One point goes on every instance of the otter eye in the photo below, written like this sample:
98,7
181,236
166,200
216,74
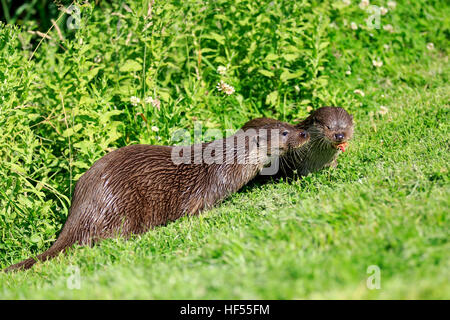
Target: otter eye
285,133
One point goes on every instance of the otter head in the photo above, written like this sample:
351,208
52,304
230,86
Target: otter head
280,137
331,126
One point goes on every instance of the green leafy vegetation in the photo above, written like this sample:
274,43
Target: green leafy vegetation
136,72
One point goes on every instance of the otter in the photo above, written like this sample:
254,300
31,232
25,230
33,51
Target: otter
135,188
330,128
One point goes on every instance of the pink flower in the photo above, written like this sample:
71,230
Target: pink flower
155,102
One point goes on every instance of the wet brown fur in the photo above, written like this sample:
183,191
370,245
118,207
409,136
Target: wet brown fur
135,188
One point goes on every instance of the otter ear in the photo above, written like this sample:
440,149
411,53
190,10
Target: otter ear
315,120
256,140
259,141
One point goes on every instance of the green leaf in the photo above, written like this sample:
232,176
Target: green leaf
215,36
165,96
71,130
266,73
17,168
323,45
92,73
86,100
35,238
290,56
130,65
286,75
272,98
272,56
105,116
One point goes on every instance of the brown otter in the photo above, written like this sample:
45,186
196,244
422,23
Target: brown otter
134,188
329,127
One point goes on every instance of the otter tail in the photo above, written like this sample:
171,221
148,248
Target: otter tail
53,251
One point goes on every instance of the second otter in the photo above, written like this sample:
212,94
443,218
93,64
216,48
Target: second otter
137,187
330,128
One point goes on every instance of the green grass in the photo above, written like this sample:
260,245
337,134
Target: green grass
386,204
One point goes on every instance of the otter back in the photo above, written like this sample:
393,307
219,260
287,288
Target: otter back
137,187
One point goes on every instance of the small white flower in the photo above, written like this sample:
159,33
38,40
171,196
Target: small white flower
354,26
364,4
148,100
348,72
155,102
386,47
430,46
226,88
383,11
135,101
97,59
347,2
229,90
377,63
359,92
389,28
222,70
383,110
392,4
155,129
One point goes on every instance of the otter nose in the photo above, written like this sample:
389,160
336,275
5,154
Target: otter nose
339,136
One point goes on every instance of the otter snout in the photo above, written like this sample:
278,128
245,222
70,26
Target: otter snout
339,137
